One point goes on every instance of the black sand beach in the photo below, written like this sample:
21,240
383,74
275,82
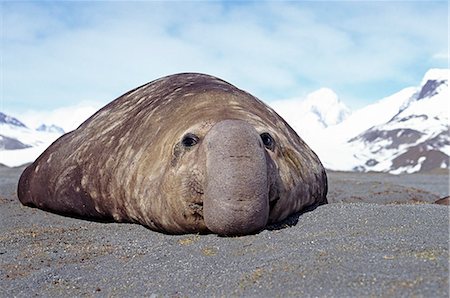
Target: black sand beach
379,236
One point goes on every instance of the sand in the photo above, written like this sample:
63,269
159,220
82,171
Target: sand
380,236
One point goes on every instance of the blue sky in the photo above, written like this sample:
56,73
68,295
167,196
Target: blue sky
58,54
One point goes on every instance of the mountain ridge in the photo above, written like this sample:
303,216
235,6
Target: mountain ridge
6,119
416,138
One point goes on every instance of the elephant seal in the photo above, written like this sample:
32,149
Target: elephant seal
187,153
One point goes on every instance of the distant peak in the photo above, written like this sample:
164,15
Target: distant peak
432,82
323,95
5,119
429,89
435,74
325,104
50,128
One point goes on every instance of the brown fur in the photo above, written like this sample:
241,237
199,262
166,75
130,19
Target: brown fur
126,163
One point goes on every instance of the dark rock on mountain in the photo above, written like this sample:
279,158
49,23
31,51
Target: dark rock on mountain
395,137
430,88
5,119
7,143
416,138
420,155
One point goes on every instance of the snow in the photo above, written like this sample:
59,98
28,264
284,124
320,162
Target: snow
435,108
326,105
27,136
399,111
429,116
331,143
410,169
39,140
6,119
50,128
435,74
371,115
67,118
15,158
445,149
311,115
333,155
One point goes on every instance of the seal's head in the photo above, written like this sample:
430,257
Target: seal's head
185,153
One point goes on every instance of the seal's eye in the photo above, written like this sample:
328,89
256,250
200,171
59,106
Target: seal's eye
189,140
268,141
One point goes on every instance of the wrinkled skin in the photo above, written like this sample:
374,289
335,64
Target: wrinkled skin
183,154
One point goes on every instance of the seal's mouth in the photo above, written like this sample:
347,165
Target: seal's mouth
197,207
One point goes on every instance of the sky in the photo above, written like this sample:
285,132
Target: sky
66,54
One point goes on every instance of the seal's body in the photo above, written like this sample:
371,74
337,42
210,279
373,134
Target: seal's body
185,153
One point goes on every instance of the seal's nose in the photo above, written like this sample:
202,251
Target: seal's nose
236,195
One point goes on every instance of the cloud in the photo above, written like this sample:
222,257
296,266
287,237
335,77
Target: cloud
68,117
59,54
441,56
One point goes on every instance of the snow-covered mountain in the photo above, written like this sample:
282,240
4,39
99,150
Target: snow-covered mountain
20,144
416,137
50,128
403,133
5,119
319,110
10,143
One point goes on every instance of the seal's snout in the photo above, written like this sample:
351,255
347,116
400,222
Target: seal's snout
236,197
